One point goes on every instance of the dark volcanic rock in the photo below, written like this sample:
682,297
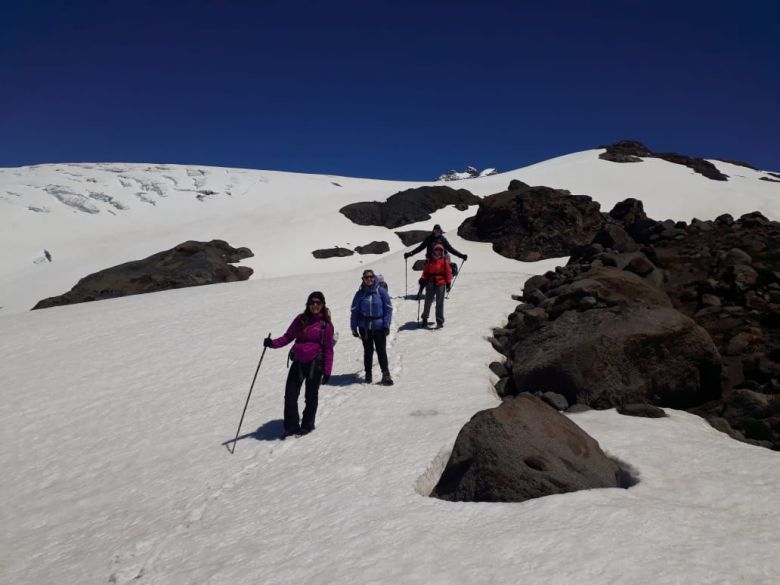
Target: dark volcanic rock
699,165
412,237
625,151
373,248
517,184
626,345
533,223
722,274
336,252
407,207
190,263
632,151
524,449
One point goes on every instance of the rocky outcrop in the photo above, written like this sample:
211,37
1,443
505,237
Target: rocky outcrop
625,151
524,449
408,206
412,237
533,223
336,252
605,356
373,248
633,151
658,312
188,264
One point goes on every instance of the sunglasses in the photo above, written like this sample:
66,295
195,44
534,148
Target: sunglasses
315,302
367,276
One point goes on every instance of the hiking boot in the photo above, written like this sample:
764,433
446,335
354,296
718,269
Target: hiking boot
369,378
290,433
424,323
439,325
386,379
306,430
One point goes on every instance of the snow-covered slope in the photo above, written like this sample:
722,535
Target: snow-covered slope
114,414
92,216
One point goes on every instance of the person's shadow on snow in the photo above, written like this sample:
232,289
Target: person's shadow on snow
268,431
342,380
409,326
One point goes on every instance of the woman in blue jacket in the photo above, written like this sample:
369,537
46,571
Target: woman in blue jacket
372,312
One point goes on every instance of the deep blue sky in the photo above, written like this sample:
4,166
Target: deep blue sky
384,88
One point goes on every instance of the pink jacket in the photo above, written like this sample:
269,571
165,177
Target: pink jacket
310,342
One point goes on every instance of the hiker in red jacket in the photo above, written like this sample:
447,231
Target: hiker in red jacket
436,278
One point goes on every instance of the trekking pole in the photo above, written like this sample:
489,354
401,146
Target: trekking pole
406,277
262,355
456,278
419,296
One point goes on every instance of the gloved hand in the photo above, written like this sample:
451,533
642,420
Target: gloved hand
407,255
421,281
448,287
465,257
267,342
355,333
325,378
386,331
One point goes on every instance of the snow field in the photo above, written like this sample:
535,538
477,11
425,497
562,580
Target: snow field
116,413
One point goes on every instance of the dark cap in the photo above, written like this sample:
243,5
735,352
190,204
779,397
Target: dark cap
316,295
438,227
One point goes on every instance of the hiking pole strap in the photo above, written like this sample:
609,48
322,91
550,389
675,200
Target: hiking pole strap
262,355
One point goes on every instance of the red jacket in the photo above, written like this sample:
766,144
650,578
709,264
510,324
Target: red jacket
438,271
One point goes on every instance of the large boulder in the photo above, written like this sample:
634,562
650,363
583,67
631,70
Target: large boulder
337,252
412,237
373,248
534,223
524,449
625,151
406,207
620,355
190,263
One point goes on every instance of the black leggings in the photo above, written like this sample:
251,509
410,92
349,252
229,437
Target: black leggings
311,373
371,338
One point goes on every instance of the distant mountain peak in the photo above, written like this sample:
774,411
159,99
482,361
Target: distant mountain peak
471,172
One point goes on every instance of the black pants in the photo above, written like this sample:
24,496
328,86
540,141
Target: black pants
310,373
431,291
371,338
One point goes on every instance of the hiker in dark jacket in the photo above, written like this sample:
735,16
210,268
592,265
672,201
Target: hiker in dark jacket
312,362
436,278
435,237
372,313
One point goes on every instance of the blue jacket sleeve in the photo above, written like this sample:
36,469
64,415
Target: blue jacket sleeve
387,307
353,318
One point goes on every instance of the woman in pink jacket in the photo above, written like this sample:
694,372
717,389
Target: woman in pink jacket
312,361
